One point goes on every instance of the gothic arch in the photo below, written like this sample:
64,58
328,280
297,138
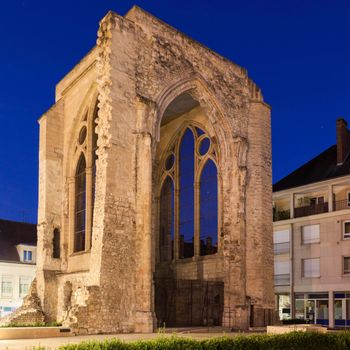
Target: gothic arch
86,110
195,85
82,143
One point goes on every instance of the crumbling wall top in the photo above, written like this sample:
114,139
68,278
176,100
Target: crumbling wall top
71,78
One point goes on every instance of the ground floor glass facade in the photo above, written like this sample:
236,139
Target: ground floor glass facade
283,306
314,308
342,309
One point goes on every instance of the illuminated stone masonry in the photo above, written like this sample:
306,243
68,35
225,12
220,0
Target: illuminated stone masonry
154,187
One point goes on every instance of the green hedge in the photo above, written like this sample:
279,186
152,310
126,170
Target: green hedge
291,341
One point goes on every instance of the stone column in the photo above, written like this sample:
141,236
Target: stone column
145,316
259,228
330,198
88,229
331,309
144,312
291,271
70,233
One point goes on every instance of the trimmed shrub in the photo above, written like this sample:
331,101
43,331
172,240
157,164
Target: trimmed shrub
290,341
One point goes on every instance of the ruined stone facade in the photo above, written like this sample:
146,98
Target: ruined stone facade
139,89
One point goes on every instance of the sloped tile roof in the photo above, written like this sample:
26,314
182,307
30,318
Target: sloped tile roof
13,233
323,167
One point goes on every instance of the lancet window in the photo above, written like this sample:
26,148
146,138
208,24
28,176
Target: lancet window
84,181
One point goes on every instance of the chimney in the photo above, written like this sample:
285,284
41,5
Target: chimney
343,141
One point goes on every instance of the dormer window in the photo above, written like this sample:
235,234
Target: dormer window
27,255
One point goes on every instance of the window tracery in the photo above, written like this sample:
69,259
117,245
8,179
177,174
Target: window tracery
84,181
188,202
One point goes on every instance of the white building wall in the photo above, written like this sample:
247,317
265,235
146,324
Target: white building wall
15,271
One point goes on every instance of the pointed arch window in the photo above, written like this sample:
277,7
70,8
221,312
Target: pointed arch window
186,187
84,181
80,206
166,243
189,220
208,209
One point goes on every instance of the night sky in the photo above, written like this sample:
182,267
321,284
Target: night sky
297,51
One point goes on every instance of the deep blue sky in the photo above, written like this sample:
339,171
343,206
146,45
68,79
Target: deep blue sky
297,51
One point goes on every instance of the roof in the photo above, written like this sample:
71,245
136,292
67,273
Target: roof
13,233
323,167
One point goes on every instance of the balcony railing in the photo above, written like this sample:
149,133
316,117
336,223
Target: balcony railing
311,210
342,204
281,248
281,215
282,280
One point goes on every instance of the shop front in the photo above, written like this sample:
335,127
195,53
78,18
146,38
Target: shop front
342,309
312,307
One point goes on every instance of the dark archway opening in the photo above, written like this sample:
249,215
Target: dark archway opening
187,221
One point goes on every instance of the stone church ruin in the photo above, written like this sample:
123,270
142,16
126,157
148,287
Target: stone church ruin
154,187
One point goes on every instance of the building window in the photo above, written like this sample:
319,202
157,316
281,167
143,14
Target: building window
346,229
346,265
281,272
56,241
187,178
189,193
24,283
281,242
311,234
166,243
311,268
84,181
27,255
80,205
6,287
208,209
283,306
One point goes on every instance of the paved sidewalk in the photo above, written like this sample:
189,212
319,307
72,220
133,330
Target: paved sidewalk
54,343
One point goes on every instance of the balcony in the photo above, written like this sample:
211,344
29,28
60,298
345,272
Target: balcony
282,280
341,204
281,215
311,209
301,204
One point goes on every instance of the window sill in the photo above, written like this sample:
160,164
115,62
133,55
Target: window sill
28,262
83,252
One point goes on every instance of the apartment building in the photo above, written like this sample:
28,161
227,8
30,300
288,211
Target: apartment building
311,211
17,263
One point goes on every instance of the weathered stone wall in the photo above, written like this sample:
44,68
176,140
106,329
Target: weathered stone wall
259,214
140,65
